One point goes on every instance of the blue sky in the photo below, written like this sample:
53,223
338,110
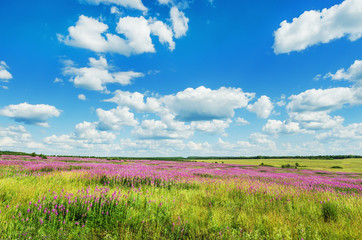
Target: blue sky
181,78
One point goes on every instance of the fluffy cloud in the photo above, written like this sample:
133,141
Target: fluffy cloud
5,75
262,107
211,127
64,141
204,104
58,80
342,139
165,2
312,107
202,107
17,138
163,147
353,73
135,101
164,33
179,22
156,129
135,4
314,27
316,120
262,140
30,114
82,97
199,104
12,135
241,121
88,131
350,132
85,136
324,99
114,119
137,32
284,127
90,33
98,75
115,10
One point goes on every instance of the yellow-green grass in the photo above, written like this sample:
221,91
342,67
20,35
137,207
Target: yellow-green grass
353,165
215,209
208,208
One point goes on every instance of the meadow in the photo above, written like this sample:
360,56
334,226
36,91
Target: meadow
334,165
90,198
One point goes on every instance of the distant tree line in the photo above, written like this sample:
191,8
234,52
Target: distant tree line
22,154
191,158
14,153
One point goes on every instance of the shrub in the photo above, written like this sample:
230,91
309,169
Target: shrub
336,167
265,165
288,166
329,211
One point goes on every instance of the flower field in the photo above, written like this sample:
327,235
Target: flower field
90,198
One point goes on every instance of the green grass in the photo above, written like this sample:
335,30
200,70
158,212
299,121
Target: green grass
221,210
353,165
213,208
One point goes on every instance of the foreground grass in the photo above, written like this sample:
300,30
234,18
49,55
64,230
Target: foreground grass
353,165
74,205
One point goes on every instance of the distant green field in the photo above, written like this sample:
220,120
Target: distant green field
347,164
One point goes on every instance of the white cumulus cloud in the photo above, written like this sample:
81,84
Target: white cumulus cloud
241,121
17,138
91,34
199,104
58,80
352,74
165,2
211,127
262,107
88,131
312,107
315,27
135,101
5,75
12,135
135,4
30,114
98,75
114,119
324,99
350,132
156,129
82,97
316,120
204,104
179,22
137,32
164,33
85,137
284,127
262,140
